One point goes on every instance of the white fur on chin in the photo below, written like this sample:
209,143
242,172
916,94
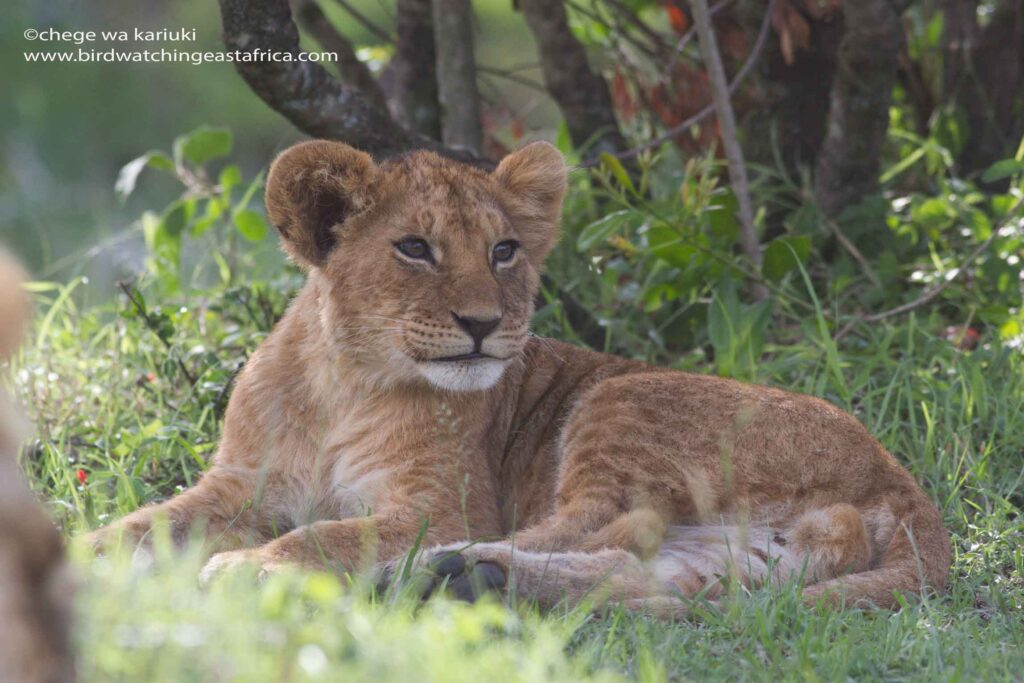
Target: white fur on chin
477,375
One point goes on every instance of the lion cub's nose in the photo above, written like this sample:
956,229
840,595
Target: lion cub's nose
477,328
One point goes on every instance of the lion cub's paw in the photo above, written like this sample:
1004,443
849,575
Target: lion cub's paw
464,578
232,560
451,569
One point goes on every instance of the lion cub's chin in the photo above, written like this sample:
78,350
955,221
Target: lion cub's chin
475,375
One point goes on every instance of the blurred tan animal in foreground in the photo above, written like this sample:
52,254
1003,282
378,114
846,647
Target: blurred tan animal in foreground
34,582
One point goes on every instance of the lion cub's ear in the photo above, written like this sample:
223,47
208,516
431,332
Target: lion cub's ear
312,188
535,177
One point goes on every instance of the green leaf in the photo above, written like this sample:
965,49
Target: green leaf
563,141
129,173
784,254
250,192
163,237
1002,170
932,213
203,144
251,225
654,297
951,129
933,31
666,244
230,176
176,217
600,230
907,161
723,319
214,209
722,217
980,224
617,170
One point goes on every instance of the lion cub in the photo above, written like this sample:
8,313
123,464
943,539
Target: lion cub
402,387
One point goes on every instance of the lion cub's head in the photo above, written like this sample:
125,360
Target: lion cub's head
428,267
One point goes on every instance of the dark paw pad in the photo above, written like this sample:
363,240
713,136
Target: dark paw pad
482,578
383,579
447,564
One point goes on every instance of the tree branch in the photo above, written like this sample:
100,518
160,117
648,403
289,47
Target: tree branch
352,71
730,139
304,92
582,95
456,74
848,165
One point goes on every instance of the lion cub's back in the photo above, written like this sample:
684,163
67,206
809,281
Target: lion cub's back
665,429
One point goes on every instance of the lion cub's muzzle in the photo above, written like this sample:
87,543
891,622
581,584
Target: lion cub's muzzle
478,329
474,363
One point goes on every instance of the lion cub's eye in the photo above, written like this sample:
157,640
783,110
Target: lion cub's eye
504,251
415,248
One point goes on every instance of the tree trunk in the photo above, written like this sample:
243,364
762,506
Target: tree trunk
858,119
582,95
792,120
456,74
985,78
413,69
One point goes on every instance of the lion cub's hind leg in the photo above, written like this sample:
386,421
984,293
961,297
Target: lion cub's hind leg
691,562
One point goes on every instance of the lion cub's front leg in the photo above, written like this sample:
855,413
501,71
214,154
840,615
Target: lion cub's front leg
221,504
348,545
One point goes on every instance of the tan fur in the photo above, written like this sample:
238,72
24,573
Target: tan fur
345,433
34,582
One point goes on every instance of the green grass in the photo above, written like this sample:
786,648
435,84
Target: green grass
111,398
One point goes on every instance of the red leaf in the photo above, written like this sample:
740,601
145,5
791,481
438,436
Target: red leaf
677,19
622,98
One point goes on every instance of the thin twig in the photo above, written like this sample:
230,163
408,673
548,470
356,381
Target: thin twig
364,20
140,308
721,95
686,38
933,292
623,34
854,252
622,10
707,111
510,76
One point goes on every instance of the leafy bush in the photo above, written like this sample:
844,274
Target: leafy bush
205,208
656,263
